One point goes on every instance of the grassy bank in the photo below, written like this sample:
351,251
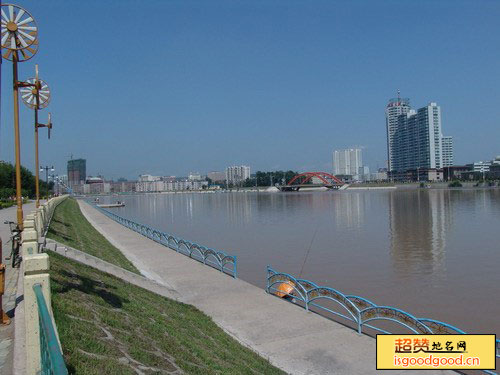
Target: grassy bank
70,227
108,326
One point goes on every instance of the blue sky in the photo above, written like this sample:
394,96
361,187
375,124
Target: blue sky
169,87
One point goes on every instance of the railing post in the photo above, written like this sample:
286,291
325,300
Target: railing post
43,215
267,280
38,220
36,269
29,237
235,267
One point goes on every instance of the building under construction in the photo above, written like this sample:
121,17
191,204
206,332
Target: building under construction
77,172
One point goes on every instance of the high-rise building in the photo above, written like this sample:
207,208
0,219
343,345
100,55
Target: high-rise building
237,174
416,142
447,146
77,172
347,162
395,108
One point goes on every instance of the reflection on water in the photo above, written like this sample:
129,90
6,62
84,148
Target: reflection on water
419,222
349,210
433,253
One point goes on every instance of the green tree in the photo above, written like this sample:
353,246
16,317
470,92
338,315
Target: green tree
274,177
8,182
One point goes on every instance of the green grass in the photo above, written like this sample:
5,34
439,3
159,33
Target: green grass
71,228
108,326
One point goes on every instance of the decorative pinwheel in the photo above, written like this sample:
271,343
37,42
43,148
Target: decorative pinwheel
28,94
19,33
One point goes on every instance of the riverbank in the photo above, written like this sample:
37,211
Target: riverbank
294,340
70,227
109,326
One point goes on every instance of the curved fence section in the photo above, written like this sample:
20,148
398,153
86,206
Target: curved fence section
52,361
360,312
213,258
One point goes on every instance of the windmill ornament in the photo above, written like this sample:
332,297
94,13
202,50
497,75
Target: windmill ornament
29,94
19,38
19,35
35,94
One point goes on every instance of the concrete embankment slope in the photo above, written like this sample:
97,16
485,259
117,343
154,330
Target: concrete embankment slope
297,341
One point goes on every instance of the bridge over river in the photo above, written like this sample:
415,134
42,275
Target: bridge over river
312,180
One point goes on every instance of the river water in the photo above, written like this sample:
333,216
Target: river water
433,253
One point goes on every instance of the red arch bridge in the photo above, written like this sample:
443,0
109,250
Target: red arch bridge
312,180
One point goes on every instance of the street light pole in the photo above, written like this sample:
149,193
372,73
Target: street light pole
54,179
47,178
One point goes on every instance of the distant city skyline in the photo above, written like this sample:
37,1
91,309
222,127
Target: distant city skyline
272,85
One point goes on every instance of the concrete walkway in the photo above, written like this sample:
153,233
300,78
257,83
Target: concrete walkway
294,340
9,297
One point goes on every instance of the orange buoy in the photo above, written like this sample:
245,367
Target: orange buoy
285,289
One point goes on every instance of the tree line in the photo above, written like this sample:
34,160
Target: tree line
266,179
8,182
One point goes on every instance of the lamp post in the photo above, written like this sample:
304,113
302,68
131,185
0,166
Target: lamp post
47,168
36,95
19,37
55,180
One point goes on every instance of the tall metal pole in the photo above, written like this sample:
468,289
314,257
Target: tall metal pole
4,319
37,175
47,183
36,91
17,142
1,59
30,94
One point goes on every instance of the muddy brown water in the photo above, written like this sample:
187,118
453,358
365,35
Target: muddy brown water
432,253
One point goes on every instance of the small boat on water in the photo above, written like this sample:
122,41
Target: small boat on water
111,205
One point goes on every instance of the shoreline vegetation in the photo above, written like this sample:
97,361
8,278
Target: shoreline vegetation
108,326
71,228
8,186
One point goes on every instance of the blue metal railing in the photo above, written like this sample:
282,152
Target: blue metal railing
356,310
214,258
52,361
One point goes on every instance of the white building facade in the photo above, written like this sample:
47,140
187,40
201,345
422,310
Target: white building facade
447,147
348,162
157,184
194,176
481,166
237,174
